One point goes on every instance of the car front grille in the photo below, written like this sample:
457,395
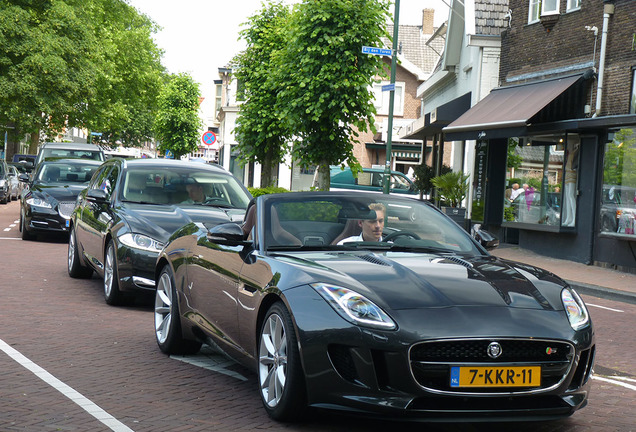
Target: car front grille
65,208
431,362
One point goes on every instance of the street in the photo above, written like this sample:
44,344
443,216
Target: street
70,362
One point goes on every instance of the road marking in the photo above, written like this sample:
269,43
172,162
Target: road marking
87,405
7,229
614,381
604,307
10,238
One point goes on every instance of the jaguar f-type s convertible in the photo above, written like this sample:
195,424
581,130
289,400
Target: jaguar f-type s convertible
375,304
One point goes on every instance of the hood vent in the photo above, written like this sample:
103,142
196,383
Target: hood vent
374,259
454,259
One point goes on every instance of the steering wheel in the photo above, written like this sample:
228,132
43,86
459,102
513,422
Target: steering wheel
399,234
210,200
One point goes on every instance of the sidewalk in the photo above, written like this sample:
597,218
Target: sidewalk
586,279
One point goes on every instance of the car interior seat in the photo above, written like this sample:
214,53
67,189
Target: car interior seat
278,235
351,228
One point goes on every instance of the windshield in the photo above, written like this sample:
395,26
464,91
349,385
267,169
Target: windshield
346,221
183,186
65,173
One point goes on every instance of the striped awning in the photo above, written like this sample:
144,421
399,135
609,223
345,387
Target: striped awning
406,154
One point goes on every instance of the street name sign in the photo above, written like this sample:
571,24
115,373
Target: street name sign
388,87
377,51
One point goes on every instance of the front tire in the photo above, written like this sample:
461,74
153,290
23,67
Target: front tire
75,268
23,228
280,374
112,294
167,318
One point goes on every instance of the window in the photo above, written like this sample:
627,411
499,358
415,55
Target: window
218,100
618,197
541,187
632,99
534,12
574,4
549,7
382,98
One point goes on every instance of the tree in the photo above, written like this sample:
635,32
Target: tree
260,131
84,63
125,100
48,65
178,125
326,82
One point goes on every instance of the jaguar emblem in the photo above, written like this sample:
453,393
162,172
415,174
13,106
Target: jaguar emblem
494,350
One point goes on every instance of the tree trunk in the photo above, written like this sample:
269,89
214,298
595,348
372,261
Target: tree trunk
323,177
267,171
35,142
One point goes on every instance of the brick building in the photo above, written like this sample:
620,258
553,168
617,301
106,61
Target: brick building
566,88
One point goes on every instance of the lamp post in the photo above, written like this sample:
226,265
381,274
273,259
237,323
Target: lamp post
389,137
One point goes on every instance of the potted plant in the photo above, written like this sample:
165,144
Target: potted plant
452,187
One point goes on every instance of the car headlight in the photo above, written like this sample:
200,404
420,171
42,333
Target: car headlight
140,241
38,202
575,309
354,307
3,183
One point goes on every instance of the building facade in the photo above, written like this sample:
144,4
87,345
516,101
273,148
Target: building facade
561,121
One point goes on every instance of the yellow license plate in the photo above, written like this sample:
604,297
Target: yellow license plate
495,376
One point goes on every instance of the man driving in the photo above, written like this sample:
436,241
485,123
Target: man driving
371,228
195,193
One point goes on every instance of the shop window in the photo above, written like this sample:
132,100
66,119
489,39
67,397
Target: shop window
542,181
618,197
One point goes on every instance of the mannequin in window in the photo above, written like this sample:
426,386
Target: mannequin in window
568,212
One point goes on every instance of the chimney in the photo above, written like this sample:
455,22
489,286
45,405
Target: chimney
428,18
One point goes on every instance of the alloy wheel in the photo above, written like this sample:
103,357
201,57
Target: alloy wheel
163,308
272,359
109,265
71,250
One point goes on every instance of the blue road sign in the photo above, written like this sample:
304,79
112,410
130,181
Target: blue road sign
388,87
377,51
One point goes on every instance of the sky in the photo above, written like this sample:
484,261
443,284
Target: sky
200,36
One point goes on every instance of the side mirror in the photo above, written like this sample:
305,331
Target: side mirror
486,239
24,178
97,195
229,234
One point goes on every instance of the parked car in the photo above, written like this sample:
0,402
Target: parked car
46,207
15,187
131,208
69,150
5,186
26,161
424,323
371,180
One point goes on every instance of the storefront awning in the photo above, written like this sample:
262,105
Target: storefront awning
506,111
407,155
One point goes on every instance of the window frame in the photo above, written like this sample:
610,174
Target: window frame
379,98
534,11
573,5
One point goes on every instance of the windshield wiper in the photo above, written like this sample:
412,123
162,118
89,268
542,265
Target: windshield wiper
219,205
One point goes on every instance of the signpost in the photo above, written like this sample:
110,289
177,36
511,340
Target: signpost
389,136
208,138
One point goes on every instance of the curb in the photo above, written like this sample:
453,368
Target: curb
603,292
